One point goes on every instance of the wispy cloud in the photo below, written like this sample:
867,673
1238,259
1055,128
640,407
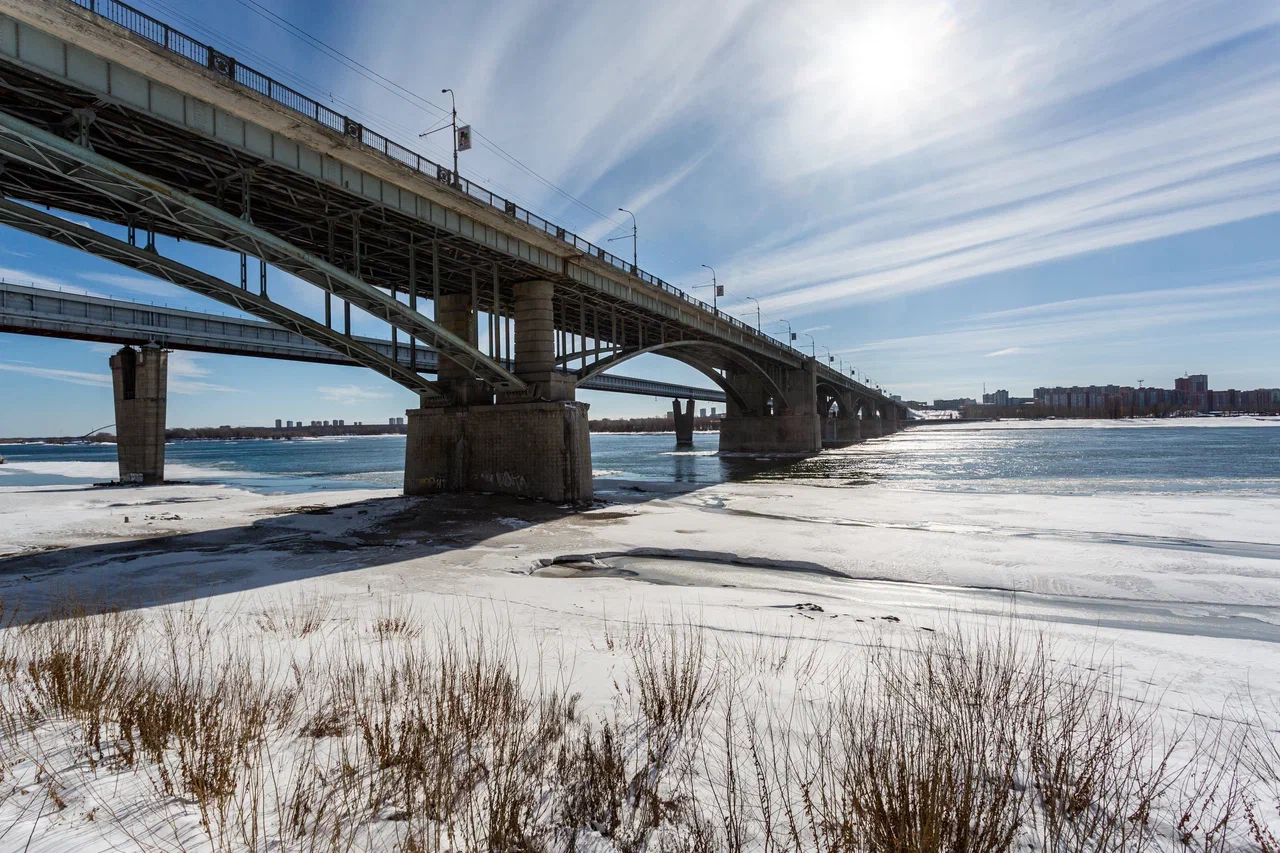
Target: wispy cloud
349,394
1101,321
186,376
136,283
815,329
75,377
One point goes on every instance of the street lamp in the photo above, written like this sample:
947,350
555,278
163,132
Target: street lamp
757,302
790,333
454,124
812,343
715,288
634,263
830,357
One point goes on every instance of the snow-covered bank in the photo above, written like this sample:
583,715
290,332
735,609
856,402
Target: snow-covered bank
1180,592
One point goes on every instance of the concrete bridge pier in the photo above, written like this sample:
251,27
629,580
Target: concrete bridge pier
843,429
683,423
889,421
140,382
772,425
535,443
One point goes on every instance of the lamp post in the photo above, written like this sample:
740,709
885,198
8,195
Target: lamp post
812,344
791,335
757,302
715,288
454,104
453,122
634,253
830,357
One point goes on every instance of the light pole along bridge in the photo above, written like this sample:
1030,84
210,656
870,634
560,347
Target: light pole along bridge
109,113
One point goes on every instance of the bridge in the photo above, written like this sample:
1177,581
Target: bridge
112,114
46,312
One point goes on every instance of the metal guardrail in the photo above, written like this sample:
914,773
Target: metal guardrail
160,33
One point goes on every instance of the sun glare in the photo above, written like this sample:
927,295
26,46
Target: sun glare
887,60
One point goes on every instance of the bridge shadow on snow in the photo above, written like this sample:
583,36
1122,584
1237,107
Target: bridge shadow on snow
296,544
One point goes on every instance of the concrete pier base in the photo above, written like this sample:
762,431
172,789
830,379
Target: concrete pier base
537,450
140,381
788,433
871,427
840,431
683,423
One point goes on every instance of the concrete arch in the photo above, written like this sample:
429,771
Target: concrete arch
829,395
739,359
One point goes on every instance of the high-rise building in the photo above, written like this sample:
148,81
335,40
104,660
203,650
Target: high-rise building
713,411
702,413
278,423
996,398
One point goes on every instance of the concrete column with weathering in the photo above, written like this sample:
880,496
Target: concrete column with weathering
683,422
535,358
534,443
455,313
139,380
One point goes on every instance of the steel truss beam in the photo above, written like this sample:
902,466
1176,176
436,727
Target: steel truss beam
58,230
201,221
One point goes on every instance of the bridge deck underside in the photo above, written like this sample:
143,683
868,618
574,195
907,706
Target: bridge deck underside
319,218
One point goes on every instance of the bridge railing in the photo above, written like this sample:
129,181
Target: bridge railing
160,33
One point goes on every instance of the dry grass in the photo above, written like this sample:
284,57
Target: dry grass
404,736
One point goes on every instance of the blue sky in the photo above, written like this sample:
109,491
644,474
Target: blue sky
943,193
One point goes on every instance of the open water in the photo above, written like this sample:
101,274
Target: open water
1083,460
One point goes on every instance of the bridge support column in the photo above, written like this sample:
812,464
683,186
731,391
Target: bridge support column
840,430
793,426
871,425
535,444
683,423
453,311
140,382
889,420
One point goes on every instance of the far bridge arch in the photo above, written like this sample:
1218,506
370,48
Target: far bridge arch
694,354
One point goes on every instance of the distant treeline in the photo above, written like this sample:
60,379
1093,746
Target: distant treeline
229,432
665,424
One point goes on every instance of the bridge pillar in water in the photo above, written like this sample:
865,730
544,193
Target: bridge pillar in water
790,425
889,423
140,383
683,423
534,443
841,430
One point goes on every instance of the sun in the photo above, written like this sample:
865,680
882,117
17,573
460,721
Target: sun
884,63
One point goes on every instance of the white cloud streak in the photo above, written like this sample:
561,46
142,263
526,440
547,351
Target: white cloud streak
349,394
75,377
